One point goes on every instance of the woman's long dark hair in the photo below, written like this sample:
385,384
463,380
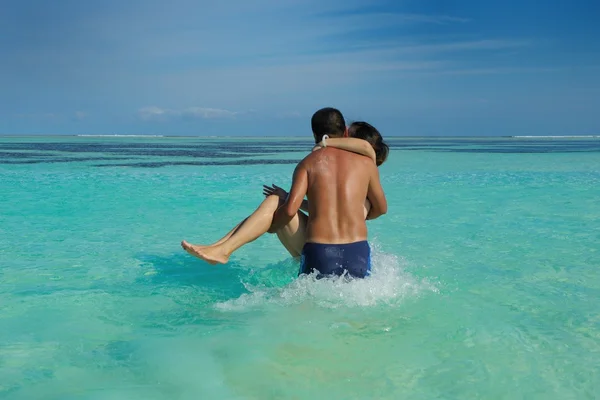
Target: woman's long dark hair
364,130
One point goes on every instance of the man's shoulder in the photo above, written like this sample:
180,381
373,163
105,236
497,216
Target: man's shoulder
313,156
305,162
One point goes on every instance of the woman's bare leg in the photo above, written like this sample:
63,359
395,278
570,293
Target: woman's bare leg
293,235
226,237
249,230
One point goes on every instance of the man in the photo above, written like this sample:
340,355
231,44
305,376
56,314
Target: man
336,183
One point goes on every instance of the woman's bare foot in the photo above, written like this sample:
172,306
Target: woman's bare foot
211,254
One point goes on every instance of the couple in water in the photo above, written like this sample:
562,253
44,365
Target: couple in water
341,182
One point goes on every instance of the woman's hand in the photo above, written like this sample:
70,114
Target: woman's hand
274,190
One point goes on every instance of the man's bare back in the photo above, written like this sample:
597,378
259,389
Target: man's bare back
336,183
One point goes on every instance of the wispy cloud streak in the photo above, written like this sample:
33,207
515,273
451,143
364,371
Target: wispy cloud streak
154,113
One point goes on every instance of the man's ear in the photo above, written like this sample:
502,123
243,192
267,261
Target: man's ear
346,132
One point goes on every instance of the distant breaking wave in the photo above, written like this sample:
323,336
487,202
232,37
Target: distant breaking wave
120,135
556,137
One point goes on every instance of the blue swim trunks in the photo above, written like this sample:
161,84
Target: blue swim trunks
335,259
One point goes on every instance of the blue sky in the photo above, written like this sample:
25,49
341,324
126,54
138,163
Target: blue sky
237,67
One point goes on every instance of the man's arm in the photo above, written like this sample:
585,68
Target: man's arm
376,196
290,207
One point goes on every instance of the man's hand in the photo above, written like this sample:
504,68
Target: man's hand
274,190
282,194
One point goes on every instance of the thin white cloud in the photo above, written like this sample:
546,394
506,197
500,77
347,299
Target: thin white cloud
369,20
206,113
472,45
495,71
154,113
435,19
395,49
149,113
81,115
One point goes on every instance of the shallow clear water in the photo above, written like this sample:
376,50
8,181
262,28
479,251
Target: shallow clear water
485,280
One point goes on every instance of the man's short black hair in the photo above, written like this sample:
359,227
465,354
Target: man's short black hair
328,121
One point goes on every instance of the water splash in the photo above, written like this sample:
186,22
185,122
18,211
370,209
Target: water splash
389,284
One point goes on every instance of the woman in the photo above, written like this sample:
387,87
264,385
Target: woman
363,139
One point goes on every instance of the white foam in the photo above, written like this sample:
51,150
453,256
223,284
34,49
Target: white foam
557,137
137,136
389,284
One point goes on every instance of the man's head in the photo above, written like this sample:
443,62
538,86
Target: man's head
328,121
364,130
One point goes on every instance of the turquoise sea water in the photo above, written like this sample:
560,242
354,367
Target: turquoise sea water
485,285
